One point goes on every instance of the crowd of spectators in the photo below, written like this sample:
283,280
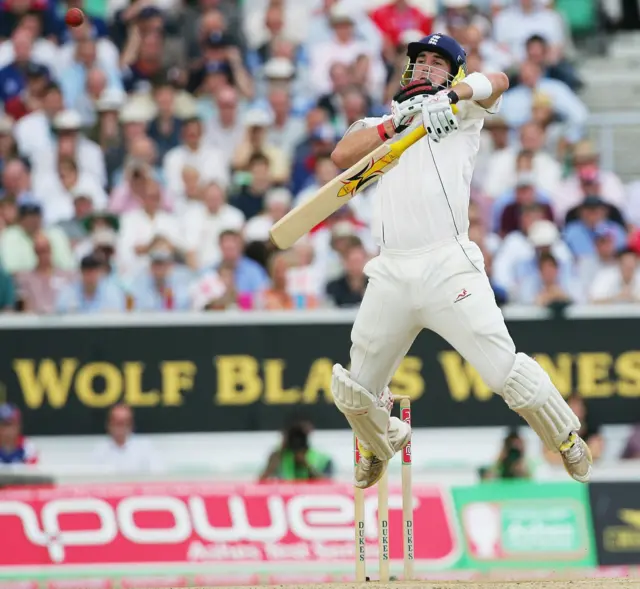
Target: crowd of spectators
145,154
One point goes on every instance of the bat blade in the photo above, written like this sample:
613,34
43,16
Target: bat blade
332,196
340,191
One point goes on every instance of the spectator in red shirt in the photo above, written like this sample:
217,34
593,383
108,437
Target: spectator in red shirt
14,448
398,17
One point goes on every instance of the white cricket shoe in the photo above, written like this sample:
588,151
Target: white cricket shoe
577,458
370,468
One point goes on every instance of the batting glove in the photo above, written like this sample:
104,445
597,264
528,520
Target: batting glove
403,114
437,117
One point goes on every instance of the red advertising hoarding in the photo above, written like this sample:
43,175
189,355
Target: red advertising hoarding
210,524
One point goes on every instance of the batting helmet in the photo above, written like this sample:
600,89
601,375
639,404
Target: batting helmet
445,46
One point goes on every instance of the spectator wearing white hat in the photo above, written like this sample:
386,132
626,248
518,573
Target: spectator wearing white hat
256,142
194,152
277,203
70,142
105,130
55,191
203,222
134,117
278,47
279,69
33,132
281,73
517,258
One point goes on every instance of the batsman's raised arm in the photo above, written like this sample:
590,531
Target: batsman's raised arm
356,144
405,109
421,100
485,89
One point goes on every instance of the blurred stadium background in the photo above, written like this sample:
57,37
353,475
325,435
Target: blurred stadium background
165,412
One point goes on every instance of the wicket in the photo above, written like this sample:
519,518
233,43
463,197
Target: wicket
383,512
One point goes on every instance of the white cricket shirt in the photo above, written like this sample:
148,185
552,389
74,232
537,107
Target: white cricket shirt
425,198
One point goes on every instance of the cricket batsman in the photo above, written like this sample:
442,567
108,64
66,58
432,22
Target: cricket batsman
429,275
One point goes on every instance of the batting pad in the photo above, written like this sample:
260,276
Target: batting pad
529,392
367,415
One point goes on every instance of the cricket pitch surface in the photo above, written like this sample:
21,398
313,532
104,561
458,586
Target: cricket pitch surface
541,584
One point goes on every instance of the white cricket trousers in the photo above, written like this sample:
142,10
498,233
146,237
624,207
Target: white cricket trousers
443,288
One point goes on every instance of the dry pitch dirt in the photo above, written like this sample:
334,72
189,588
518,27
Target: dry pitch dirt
544,584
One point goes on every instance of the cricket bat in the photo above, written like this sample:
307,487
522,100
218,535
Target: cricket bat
340,190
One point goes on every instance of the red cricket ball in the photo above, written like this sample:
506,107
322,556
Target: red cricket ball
74,17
